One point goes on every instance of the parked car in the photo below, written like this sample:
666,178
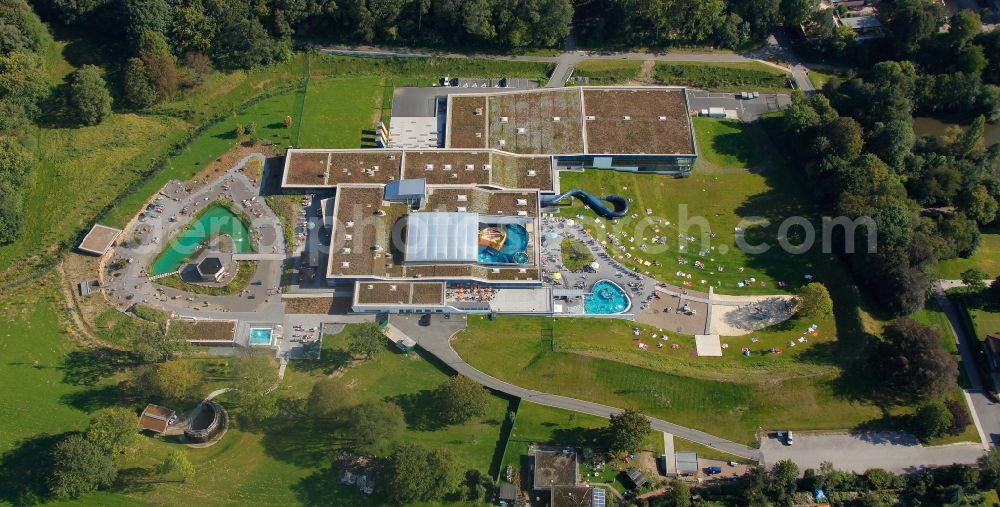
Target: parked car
788,438
425,320
713,470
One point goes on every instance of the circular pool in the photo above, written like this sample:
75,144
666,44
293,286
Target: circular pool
606,298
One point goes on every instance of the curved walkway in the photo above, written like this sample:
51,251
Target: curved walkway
436,340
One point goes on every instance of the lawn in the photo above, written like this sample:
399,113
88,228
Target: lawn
608,72
986,321
336,111
723,76
534,358
719,197
986,259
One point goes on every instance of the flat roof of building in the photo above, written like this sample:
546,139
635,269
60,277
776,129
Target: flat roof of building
573,121
555,468
212,331
575,496
399,293
99,239
329,168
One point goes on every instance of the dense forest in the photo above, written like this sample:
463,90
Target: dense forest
928,197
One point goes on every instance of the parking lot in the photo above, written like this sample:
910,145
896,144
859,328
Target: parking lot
746,109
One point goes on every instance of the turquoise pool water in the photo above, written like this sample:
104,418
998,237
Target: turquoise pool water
606,298
216,220
512,251
260,336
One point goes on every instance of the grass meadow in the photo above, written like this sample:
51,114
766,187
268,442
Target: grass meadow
986,259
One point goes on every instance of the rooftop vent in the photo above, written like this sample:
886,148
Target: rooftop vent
496,270
374,168
503,119
626,117
522,130
479,111
348,237
345,264
556,118
429,167
532,173
447,167
663,118
522,202
371,287
393,287
591,117
460,209
462,198
502,142
522,213
392,157
522,270
479,135
487,167
469,167
349,224
345,250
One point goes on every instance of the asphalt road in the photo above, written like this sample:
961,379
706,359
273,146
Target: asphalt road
986,413
894,452
435,339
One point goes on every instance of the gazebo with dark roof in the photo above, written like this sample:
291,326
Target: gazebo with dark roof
211,269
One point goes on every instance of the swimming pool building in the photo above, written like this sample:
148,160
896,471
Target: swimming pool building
457,229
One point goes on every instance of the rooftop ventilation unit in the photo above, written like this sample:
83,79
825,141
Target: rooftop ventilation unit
663,118
345,250
349,224
429,167
591,117
496,270
522,270
522,202
460,209
522,130
556,118
479,135
447,167
462,198
371,287
503,119
392,157
487,167
374,168
626,117
479,111
393,287
532,173
469,167
502,142
345,264
522,213
348,237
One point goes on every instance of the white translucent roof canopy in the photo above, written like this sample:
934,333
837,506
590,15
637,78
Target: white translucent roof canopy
442,237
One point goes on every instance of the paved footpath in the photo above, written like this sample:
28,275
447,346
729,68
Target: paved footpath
436,341
894,452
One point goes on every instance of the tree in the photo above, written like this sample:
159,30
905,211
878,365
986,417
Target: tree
200,64
796,11
251,128
115,430
178,463
162,74
329,397
782,481
989,469
255,391
23,81
88,98
995,290
153,343
459,399
892,141
366,340
374,424
138,90
79,467
240,130
679,494
960,418
912,22
932,420
288,122
964,26
626,431
979,204
139,16
415,474
911,361
814,301
174,380
974,279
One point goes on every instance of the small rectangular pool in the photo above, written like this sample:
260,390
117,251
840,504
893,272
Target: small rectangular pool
260,336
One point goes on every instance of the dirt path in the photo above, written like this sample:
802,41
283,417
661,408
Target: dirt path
648,71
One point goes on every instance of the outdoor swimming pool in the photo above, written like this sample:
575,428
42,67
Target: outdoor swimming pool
216,220
512,251
260,336
606,298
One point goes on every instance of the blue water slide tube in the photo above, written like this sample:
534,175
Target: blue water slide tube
620,203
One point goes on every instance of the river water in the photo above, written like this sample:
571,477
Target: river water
923,126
